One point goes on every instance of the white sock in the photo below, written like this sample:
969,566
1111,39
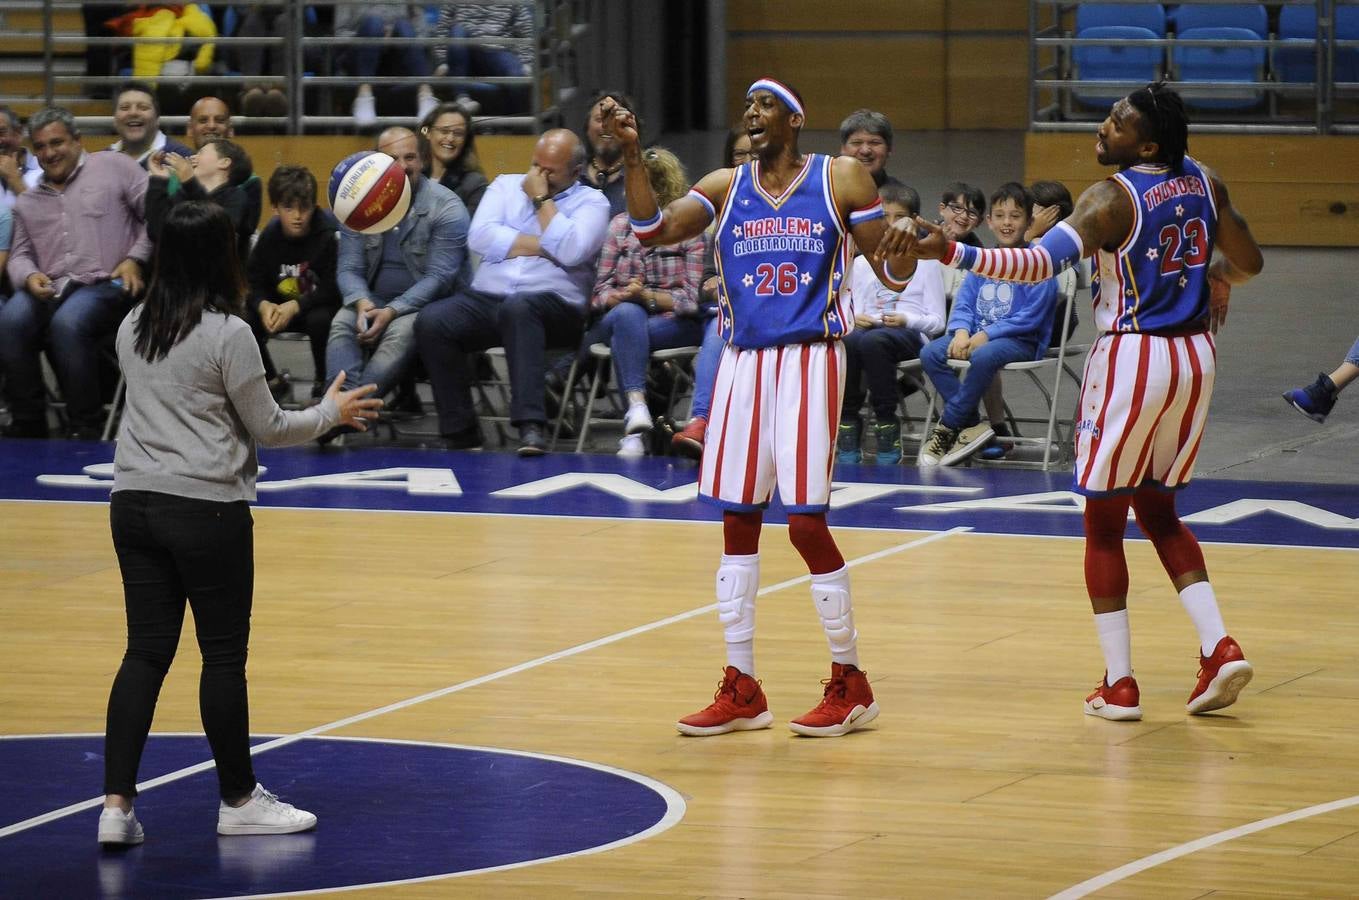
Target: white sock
830,594
1200,601
741,573
1115,639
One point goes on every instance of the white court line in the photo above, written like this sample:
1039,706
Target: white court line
1150,862
55,814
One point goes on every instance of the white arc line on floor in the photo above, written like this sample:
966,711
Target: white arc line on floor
461,686
1150,862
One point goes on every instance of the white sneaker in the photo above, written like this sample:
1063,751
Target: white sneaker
940,442
118,827
637,420
632,447
364,109
263,813
969,441
425,104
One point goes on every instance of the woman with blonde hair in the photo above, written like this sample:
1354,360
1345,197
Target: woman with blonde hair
649,297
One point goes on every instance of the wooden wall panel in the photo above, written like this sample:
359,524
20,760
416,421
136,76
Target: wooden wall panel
1295,190
987,15
819,15
987,82
902,77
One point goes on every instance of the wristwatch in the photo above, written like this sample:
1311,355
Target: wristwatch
651,306
539,201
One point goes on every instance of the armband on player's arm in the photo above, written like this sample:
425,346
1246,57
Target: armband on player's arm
649,227
1057,251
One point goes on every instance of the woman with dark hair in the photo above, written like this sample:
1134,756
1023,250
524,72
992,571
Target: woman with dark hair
448,145
604,169
184,472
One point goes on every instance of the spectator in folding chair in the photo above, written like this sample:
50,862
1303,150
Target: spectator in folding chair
221,173
889,327
19,169
604,168
993,323
961,209
75,262
449,149
866,135
649,297
539,235
136,119
386,279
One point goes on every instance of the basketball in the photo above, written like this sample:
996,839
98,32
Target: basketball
369,192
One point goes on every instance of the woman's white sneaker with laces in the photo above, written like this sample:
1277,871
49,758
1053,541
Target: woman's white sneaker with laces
263,813
118,827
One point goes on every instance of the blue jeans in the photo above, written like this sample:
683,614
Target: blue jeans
368,57
383,365
1353,356
705,368
632,334
70,330
962,396
470,60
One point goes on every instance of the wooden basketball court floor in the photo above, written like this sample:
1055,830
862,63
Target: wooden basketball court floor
585,636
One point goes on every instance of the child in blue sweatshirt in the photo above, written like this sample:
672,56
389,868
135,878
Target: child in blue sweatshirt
993,323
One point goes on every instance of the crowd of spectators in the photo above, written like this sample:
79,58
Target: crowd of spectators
542,263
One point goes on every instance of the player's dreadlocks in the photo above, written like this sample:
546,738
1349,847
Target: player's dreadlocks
1164,120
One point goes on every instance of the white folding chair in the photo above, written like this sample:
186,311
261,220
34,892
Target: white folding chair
679,362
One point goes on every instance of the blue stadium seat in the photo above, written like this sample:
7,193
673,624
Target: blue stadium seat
1347,29
1140,15
1298,61
1251,16
1219,64
1131,61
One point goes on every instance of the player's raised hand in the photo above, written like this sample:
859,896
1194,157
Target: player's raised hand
619,121
930,240
1219,296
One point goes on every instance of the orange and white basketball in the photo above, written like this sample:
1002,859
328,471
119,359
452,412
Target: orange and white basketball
369,192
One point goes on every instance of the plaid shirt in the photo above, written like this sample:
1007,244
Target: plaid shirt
676,268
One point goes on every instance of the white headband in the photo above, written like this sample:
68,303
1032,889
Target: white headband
778,90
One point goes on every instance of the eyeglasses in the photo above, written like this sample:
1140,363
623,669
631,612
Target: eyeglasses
741,156
962,210
449,131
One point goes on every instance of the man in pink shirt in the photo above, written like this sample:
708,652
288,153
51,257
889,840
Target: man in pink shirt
76,264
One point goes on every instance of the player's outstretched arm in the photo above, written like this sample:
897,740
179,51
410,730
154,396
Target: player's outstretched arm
861,209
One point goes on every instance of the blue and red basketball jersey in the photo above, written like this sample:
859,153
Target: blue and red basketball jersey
1157,280
782,260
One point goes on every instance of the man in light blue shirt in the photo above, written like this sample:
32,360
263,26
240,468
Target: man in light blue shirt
539,235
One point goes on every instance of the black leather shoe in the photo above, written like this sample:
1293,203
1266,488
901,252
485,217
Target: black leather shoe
467,439
532,441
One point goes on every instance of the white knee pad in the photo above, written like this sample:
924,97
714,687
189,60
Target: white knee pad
831,597
738,580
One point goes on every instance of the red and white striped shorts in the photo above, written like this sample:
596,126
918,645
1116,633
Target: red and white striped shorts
1144,403
774,416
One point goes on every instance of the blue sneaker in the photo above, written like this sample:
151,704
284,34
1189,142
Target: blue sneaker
888,436
992,451
847,441
1316,400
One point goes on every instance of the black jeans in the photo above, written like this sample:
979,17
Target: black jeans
171,549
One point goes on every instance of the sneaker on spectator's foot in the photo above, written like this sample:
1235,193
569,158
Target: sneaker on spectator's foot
632,446
993,451
425,102
1119,702
364,109
846,704
969,441
1221,677
531,440
263,813
738,705
1316,400
118,827
469,105
888,436
940,442
848,440
637,420
688,441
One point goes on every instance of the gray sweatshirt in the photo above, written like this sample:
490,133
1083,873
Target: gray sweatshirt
192,418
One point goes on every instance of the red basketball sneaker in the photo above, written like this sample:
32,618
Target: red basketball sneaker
1221,677
846,704
1117,702
738,705
689,440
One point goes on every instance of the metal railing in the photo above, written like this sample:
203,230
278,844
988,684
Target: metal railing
557,33
1307,107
